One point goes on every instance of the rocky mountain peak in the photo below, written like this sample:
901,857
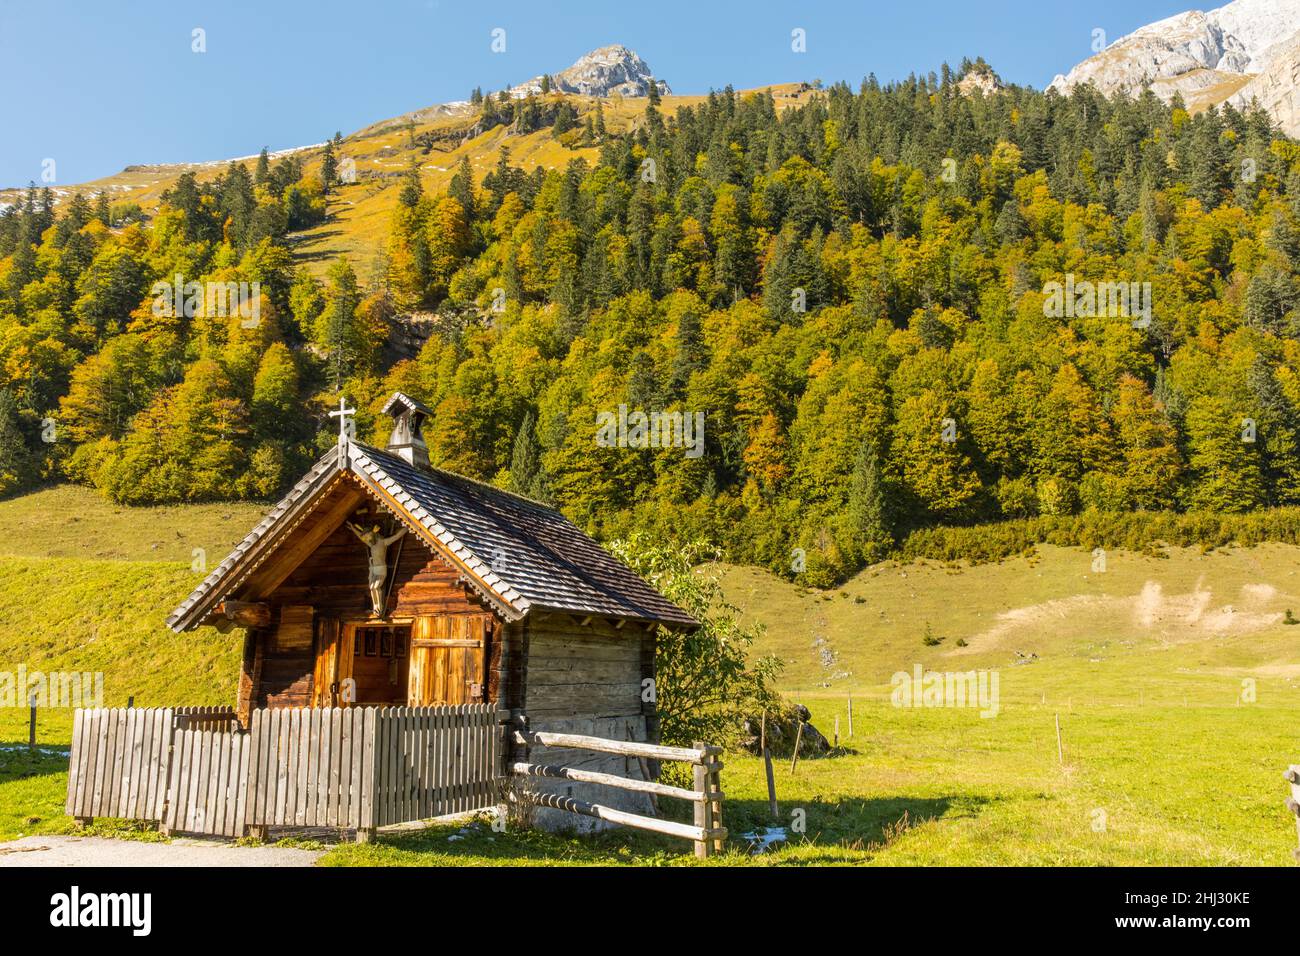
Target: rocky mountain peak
609,71
1207,57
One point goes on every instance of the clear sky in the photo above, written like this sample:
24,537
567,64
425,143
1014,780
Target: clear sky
97,85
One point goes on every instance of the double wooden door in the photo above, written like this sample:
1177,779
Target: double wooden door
431,660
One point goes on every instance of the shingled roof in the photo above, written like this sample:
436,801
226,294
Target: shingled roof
520,555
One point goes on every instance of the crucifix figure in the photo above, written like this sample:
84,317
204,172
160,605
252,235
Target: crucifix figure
378,547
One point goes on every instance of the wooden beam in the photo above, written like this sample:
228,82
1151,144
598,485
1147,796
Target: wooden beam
683,830
312,534
611,780
625,748
244,699
246,613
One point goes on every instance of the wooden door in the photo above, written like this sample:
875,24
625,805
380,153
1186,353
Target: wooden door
325,674
449,660
377,657
360,664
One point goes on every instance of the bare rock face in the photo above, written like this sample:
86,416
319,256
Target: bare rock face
1228,54
609,71
983,82
1277,88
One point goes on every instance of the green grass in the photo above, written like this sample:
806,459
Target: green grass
1145,664
107,616
69,521
1159,784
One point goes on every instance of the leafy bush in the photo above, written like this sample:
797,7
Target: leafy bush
705,680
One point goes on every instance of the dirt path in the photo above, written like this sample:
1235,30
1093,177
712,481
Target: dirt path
98,851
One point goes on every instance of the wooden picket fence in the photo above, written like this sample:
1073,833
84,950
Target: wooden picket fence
198,771
120,758
433,761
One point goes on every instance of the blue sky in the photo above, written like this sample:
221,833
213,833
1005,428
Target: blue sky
98,85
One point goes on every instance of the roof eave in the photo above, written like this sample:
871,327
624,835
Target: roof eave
209,593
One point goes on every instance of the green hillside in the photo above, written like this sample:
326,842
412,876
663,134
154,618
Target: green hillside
826,322
1144,664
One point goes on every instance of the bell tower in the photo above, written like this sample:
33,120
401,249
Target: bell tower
407,440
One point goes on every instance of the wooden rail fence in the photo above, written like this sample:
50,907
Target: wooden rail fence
707,833
195,770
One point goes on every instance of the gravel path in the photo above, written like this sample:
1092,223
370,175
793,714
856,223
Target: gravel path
99,851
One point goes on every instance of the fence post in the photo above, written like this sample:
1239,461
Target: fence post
1292,776
172,721
31,724
703,807
715,801
370,767
798,739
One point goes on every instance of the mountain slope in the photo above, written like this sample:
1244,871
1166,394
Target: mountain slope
435,138
1235,53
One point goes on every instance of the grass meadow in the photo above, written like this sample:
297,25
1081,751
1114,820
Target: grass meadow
1173,678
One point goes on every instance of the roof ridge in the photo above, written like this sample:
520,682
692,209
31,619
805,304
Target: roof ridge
551,565
473,481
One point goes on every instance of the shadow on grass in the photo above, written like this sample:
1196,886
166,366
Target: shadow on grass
858,823
304,246
17,762
848,830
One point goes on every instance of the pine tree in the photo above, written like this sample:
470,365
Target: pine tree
17,463
527,475
461,188
867,510
329,167
336,328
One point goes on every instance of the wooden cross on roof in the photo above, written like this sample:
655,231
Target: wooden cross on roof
342,415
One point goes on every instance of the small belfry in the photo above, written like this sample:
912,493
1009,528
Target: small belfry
407,440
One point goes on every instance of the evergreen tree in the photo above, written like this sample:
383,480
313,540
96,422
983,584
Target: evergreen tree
17,462
527,474
867,511
329,167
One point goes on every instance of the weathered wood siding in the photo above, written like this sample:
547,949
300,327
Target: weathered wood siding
586,678
583,670
282,664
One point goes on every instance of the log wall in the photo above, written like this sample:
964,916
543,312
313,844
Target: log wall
587,678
